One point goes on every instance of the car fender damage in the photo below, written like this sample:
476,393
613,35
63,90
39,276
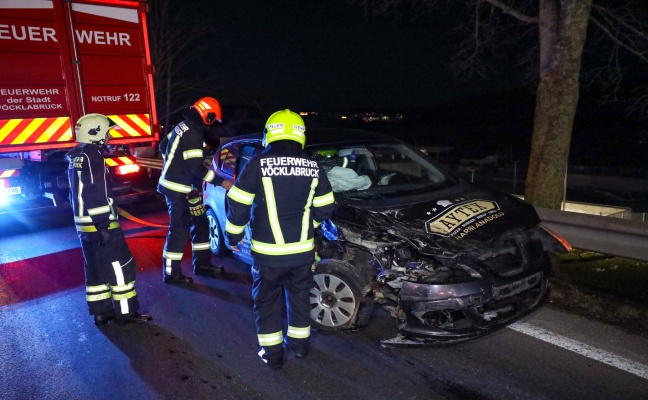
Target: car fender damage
449,260
444,291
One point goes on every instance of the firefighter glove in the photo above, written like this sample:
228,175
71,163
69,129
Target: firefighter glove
105,237
196,206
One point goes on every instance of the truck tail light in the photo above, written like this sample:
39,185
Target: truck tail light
4,183
122,165
127,169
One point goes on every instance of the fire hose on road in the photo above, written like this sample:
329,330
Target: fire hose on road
133,218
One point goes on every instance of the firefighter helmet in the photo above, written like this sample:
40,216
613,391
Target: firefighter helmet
209,109
284,125
93,128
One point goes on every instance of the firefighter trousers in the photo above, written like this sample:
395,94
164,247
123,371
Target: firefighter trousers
181,226
110,275
268,290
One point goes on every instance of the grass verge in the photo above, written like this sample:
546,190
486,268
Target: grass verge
609,289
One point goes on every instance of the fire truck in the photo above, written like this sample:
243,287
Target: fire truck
59,60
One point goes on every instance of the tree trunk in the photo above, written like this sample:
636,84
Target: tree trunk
556,99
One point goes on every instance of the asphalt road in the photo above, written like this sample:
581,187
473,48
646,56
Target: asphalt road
202,343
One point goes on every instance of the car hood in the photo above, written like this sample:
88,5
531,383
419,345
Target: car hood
449,221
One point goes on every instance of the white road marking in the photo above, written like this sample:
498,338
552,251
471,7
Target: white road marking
583,349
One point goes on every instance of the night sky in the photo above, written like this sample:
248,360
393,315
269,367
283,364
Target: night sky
331,55
314,54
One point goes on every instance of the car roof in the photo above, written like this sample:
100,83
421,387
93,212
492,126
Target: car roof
327,136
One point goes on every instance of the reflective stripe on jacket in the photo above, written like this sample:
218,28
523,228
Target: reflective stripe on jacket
90,191
289,194
184,159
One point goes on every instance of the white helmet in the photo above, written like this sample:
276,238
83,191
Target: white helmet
93,128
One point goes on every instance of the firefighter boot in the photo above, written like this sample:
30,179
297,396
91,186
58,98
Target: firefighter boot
132,318
274,360
298,348
178,279
209,270
104,317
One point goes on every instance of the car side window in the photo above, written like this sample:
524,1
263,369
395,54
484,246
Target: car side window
246,152
227,160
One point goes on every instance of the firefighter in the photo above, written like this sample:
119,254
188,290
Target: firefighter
289,195
109,264
181,182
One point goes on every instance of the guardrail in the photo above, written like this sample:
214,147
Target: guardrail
607,235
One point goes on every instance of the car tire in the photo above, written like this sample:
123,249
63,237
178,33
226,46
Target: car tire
216,242
366,311
336,297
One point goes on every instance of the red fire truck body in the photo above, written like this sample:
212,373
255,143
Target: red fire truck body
59,60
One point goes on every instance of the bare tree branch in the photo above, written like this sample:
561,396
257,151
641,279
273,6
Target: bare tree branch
484,31
639,104
619,37
617,40
625,21
175,34
506,9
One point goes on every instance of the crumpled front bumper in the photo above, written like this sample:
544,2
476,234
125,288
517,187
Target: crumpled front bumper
482,306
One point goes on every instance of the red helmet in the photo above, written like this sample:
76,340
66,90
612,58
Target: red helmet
209,109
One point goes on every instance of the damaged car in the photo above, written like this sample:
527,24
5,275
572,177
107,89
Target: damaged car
449,259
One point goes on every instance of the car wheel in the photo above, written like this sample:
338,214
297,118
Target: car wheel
336,296
216,243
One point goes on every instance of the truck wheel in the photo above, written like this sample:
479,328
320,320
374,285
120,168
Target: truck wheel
336,296
216,243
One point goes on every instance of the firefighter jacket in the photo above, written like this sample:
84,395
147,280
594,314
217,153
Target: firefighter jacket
289,195
90,191
184,159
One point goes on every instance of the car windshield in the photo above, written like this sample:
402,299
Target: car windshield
379,170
